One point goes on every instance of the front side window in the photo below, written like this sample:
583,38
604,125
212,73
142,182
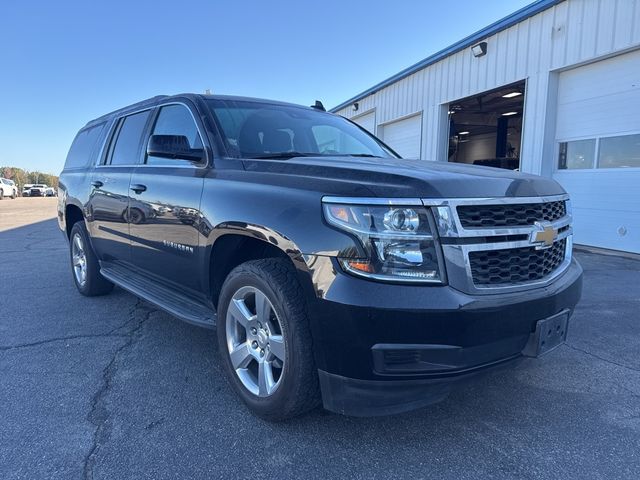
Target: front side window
175,120
126,149
264,130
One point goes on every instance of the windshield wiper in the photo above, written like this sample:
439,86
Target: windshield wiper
283,155
368,155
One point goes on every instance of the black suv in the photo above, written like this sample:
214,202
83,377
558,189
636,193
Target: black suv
335,271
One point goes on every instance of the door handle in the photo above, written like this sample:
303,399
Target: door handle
138,188
97,183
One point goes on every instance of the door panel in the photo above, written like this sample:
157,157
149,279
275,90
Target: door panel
108,212
164,223
107,216
165,213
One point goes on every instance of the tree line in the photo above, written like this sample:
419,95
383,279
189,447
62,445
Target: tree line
22,177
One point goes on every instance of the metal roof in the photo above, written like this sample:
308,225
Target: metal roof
503,24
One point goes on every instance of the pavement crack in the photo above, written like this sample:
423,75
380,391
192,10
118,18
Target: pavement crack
98,414
110,334
611,362
4,348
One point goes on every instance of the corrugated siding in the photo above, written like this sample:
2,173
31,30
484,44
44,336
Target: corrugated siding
570,33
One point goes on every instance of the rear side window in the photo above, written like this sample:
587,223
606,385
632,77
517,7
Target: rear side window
83,147
125,148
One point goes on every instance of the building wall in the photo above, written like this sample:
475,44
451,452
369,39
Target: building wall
571,33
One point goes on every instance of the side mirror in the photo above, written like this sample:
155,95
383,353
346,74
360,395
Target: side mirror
175,147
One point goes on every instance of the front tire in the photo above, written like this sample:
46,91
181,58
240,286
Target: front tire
264,339
84,264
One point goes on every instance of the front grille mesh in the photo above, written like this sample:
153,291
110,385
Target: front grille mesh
510,215
515,265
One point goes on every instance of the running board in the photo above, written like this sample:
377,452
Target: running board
176,304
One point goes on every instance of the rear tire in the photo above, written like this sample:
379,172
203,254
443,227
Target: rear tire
281,343
84,264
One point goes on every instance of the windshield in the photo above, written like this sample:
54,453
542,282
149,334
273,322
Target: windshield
263,130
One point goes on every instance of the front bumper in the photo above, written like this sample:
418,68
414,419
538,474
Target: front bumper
385,348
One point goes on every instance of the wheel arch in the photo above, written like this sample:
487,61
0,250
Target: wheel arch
72,215
237,243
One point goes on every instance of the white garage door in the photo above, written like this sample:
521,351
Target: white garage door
367,121
598,145
404,136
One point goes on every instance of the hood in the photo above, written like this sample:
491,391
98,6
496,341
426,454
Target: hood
382,177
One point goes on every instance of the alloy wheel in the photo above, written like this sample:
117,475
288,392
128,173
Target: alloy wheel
79,259
255,342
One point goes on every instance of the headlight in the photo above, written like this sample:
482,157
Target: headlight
398,240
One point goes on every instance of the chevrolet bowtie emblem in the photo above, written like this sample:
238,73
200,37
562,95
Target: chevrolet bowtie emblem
543,235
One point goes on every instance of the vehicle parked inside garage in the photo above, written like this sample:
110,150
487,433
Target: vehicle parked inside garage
8,188
334,270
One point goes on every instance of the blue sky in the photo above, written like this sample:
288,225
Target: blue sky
64,63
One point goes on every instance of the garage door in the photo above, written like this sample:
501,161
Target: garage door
598,145
367,121
404,136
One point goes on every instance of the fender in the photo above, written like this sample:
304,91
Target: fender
264,234
259,232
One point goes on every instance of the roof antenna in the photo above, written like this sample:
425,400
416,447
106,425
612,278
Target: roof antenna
319,106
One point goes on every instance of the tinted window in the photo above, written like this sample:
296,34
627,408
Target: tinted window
175,120
126,150
619,152
330,139
256,129
83,146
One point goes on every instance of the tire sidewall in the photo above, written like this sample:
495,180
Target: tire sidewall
264,406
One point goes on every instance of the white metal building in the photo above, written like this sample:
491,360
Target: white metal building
553,89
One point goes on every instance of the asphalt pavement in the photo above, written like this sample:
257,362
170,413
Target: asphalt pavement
111,388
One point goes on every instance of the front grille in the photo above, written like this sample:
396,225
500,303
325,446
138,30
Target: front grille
510,215
515,265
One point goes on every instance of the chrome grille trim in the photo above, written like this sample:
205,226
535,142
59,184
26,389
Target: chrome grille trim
457,254
506,215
